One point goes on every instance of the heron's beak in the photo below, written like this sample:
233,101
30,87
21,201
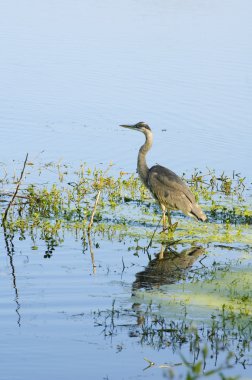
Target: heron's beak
132,126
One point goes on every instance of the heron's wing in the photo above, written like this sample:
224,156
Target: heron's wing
169,189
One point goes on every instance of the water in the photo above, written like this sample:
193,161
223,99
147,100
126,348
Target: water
70,72
56,314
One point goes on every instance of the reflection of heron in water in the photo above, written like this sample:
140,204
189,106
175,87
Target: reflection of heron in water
168,267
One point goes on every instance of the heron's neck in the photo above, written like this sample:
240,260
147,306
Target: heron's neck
142,167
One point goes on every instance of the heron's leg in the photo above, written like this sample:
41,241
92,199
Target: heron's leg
161,253
169,217
164,217
172,227
164,221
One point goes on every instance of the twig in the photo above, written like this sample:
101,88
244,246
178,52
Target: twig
151,364
15,193
91,253
11,195
123,268
96,202
150,243
10,252
94,210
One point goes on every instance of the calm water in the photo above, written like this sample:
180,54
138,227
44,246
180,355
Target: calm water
70,72
50,322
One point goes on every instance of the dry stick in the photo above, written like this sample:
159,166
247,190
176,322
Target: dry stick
89,228
15,193
150,243
10,252
94,209
95,205
11,195
91,253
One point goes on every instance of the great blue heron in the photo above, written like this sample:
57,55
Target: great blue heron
165,186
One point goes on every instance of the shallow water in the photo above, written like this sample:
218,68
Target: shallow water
57,319
70,73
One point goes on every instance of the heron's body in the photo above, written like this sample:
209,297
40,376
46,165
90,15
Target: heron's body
166,187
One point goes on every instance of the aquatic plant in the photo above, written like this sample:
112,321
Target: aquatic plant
96,199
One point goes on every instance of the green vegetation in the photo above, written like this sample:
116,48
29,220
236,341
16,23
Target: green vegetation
124,207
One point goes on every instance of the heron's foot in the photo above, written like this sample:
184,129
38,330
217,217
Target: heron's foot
164,230
172,227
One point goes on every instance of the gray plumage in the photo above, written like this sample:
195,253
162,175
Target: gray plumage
166,187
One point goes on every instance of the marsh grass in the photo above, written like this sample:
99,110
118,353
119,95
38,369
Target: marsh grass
124,205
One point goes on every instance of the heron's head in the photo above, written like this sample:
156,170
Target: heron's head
140,127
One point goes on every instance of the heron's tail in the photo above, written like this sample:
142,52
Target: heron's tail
197,213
